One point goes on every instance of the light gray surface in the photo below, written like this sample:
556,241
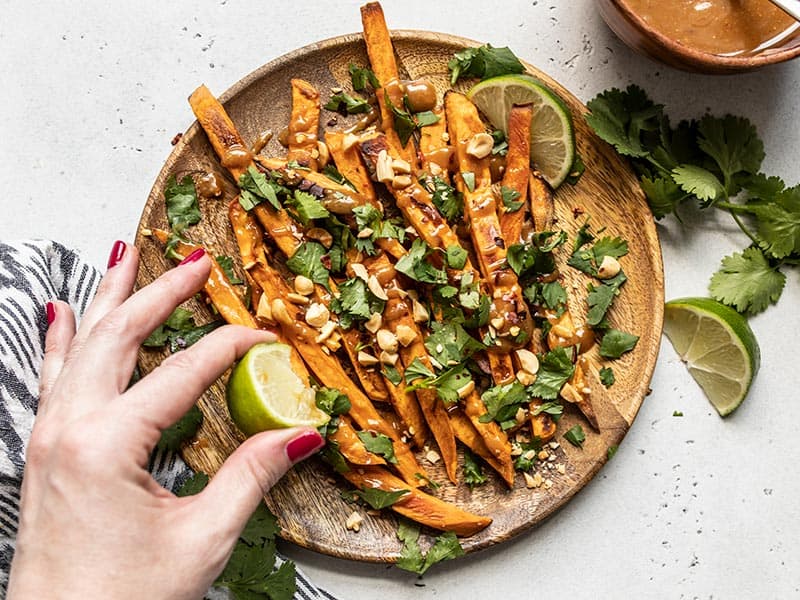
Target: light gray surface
691,506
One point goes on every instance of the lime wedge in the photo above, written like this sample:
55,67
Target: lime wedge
718,347
552,137
265,393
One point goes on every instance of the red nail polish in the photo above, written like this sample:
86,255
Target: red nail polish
304,445
51,313
117,252
194,256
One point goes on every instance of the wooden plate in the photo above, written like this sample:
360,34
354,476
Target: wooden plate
308,503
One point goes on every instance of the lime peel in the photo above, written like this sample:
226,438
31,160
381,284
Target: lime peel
718,347
552,134
264,392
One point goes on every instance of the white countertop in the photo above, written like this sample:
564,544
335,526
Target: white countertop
690,506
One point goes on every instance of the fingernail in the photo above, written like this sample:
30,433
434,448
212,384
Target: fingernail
194,256
51,313
304,445
117,252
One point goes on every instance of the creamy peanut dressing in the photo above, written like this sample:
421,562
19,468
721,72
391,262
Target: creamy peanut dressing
728,27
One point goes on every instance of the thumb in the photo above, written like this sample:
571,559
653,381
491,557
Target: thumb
248,474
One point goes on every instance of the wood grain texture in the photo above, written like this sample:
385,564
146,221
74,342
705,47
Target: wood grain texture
307,500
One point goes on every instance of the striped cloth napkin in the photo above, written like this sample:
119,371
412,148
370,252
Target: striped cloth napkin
31,274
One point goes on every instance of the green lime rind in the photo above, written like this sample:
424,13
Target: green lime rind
263,392
718,347
552,132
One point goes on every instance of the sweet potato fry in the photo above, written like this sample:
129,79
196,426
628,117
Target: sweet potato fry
416,505
540,197
234,155
517,172
509,313
304,125
465,431
398,314
350,164
433,147
413,201
351,446
218,288
495,438
384,65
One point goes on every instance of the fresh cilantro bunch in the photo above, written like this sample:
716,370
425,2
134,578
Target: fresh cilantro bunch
713,162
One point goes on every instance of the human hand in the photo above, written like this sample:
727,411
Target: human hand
93,522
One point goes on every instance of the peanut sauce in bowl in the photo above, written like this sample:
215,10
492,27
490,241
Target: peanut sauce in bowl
709,36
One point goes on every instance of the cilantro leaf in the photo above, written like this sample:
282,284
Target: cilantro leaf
392,374
417,370
468,177
361,76
554,295
226,264
733,143
355,302
378,444
449,343
179,331
555,368
307,261
699,182
607,376
509,197
411,558
346,104
575,436
747,282
620,117
456,257
483,62
663,195
446,547
307,207
446,199
779,223
426,118
181,199
615,343
502,403
612,450
473,472
331,401
186,427
404,123
500,146
600,298
554,409
415,264
255,188
379,499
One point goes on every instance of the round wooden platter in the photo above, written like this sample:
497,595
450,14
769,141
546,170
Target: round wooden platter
307,500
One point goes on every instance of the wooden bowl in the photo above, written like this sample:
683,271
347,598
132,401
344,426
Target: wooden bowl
636,33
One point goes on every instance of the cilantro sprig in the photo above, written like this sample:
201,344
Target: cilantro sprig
713,162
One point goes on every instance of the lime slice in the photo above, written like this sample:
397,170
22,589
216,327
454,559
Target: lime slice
718,347
552,137
265,393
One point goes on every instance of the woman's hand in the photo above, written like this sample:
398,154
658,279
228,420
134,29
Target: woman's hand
93,522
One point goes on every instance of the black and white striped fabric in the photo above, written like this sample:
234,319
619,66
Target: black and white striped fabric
31,274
